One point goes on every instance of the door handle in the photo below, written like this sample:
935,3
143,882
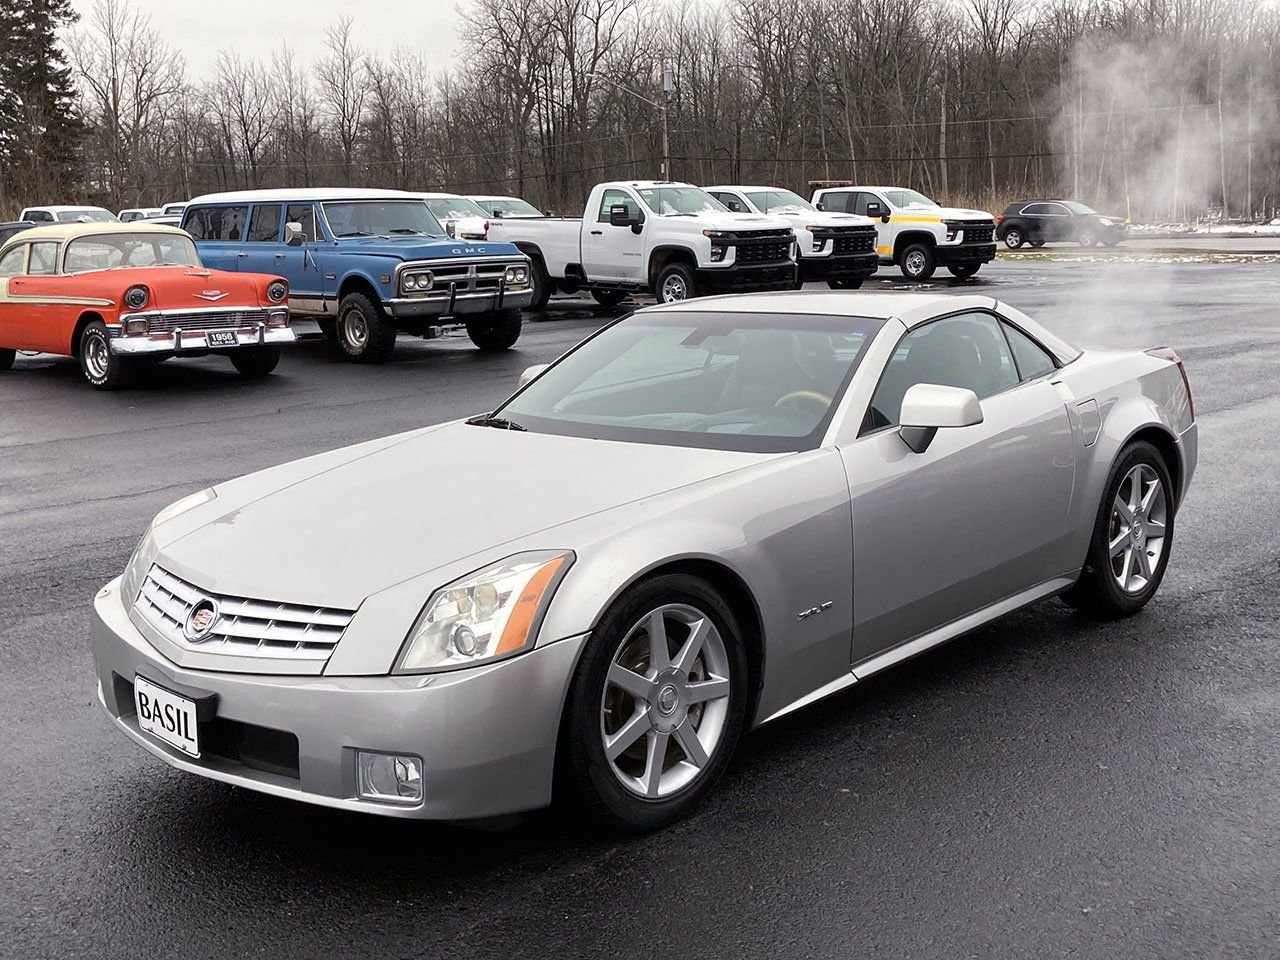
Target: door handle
597,233
242,255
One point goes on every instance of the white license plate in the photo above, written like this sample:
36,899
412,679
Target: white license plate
223,338
167,716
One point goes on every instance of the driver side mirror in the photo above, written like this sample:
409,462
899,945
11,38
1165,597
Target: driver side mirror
530,373
293,235
620,216
930,407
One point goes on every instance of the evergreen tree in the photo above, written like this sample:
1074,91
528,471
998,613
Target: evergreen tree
40,132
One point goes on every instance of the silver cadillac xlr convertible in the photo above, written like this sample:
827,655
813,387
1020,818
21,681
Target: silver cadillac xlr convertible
703,517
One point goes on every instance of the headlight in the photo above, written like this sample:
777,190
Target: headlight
717,252
517,275
136,569
489,615
420,281
179,507
277,290
136,298
1105,221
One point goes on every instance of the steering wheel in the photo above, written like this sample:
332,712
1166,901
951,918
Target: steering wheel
812,396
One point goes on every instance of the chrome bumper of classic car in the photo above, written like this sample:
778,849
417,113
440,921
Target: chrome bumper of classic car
199,330
484,738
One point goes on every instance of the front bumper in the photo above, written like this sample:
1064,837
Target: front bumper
964,253
448,305
850,267
192,341
755,276
486,735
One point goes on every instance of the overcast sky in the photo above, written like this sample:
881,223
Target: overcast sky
256,27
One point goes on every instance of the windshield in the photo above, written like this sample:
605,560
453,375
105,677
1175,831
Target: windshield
778,201
115,250
380,218
724,381
509,207
454,208
908,198
679,201
1078,207
86,215
174,208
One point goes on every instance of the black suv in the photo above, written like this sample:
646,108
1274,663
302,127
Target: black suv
1038,222
7,230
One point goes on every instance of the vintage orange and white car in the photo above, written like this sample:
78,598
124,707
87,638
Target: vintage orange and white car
116,295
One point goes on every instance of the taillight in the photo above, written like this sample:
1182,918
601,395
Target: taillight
1170,354
999,218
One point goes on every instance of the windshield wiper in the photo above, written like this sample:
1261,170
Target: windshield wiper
355,233
407,230
489,420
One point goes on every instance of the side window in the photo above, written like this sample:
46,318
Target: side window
216,223
836,201
1037,210
44,259
612,198
732,202
964,351
1032,359
39,216
1056,210
11,262
264,227
865,200
305,214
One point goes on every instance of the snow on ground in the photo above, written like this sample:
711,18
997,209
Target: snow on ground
1157,230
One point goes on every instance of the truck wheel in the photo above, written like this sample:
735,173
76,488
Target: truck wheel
365,334
1014,238
102,368
541,284
492,332
675,283
6,358
918,262
609,298
844,284
965,270
255,362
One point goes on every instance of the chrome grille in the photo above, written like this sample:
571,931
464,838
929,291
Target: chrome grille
244,627
205,320
467,278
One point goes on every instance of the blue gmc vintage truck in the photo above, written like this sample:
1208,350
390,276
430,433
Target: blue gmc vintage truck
366,264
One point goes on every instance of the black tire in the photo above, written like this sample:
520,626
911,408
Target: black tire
584,769
6,358
844,284
1111,242
102,368
965,270
918,261
255,362
609,298
492,332
672,279
1037,242
365,333
540,283
1014,238
1097,593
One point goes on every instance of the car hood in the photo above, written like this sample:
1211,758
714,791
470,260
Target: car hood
955,213
715,220
426,248
185,288
336,529
823,218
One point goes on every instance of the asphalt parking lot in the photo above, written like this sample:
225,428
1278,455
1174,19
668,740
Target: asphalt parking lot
1045,787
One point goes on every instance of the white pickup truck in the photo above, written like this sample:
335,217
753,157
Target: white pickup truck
839,248
913,231
669,239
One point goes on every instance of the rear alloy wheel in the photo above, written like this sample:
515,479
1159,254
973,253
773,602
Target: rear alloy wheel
365,333
675,283
918,262
844,284
1132,537
609,298
255,362
492,332
102,368
6,358
1088,238
965,270
657,704
1014,238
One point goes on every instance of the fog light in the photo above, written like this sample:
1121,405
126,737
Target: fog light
389,777
278,318
135,328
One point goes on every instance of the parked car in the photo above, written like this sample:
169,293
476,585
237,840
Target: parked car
1038,222
839,248
461,218
173,209
788,494
506,208
174,220
914,232
129,214
366,264
114,294
672,240
7,230
64,214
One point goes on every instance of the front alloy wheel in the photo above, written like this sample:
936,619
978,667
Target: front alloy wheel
1014,238
675,283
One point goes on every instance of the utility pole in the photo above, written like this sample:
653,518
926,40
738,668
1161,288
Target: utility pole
668,87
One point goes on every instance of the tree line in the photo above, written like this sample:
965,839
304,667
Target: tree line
1165,109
